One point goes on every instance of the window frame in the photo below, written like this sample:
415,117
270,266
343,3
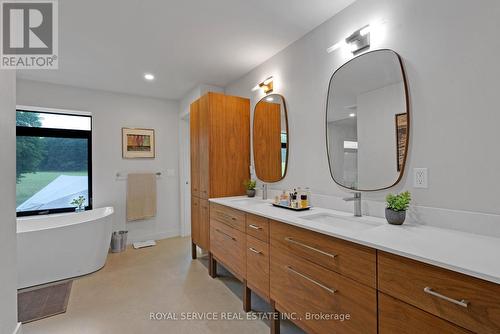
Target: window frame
28,131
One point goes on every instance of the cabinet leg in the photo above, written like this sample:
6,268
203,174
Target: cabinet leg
193,250
247,297
275,319
212,266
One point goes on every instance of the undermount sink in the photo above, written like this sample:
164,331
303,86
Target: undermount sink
247,201
343,222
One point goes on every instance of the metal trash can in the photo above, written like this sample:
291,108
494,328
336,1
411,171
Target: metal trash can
123,235
118,241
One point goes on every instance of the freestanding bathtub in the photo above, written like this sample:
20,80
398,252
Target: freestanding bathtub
60,246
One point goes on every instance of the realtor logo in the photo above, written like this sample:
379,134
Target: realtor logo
29,37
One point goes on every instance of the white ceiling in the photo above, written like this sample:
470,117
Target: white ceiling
108,45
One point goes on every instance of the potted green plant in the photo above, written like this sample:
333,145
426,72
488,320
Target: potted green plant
79,202
395,212
250,185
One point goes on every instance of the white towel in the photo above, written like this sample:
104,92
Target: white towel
141,196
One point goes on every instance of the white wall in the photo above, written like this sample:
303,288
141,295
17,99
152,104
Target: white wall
8,276
111,112
450,50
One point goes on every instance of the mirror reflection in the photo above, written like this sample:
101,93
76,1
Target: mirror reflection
270,138
368,122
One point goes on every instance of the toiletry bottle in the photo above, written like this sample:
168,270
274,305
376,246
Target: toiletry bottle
303,201
309,198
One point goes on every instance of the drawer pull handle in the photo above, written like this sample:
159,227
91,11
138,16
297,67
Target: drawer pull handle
332,291
255,227
310,248
462,302
255,251
225,234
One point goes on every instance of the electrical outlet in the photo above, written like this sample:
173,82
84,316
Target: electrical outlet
420,177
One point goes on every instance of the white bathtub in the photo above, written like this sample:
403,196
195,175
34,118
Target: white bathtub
55,247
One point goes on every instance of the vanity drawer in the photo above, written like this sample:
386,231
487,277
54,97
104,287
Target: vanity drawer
304,289
258,266
258,227
229,216
351,260
398,317
440,292
228,246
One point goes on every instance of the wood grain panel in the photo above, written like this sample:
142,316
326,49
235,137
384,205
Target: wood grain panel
351,260
258,227
234,218
267,141
229,144
406,280
204,146
194,129
258,266
228,246
204,239
398,317
303,288
195,220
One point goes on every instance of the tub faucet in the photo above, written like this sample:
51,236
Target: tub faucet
264,191
357,203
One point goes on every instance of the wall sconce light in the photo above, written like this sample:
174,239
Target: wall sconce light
266,86
359,40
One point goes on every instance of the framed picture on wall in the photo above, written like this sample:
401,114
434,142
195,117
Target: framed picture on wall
138,143
401,138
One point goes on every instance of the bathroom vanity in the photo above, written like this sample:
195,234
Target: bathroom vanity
331,272
387,279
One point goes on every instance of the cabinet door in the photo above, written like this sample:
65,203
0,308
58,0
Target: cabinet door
258,266
204,224
204,147
194,126
229,145
195,220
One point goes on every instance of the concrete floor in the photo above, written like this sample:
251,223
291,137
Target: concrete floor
120,297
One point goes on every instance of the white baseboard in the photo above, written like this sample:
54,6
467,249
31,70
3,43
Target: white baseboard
18,330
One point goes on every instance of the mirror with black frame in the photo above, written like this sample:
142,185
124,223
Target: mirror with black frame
270,138
368,122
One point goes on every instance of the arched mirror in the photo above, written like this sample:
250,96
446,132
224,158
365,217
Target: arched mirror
270,138
367,122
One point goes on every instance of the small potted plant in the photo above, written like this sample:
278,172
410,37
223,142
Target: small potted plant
79,202
250,185
395,212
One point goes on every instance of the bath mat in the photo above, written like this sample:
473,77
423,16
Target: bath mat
38,303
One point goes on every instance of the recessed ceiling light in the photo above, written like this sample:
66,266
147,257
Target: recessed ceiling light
352,115
149,76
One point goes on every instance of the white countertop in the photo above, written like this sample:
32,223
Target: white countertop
467,253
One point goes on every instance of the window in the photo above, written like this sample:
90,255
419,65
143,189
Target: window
54,162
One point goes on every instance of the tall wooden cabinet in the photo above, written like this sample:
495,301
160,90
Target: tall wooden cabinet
220,156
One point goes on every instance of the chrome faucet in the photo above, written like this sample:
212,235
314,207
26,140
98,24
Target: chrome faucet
357,203
264,191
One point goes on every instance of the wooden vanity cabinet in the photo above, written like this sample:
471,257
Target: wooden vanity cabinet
220,156
329,285
258,255
468,302
313,275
